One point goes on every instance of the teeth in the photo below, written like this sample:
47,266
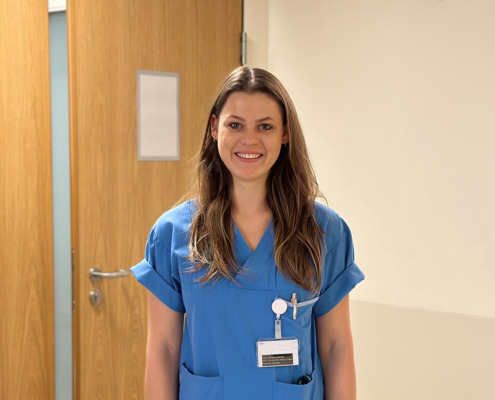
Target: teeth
245,155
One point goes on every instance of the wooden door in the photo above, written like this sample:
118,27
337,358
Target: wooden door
115,198
26,224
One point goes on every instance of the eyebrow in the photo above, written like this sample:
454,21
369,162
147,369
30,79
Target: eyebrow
259,120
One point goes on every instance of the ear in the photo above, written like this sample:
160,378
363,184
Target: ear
214,126
285,136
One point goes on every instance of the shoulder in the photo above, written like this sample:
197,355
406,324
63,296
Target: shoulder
173,222
333,226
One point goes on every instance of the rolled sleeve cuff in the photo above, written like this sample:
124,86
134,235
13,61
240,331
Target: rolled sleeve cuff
340,288
151,280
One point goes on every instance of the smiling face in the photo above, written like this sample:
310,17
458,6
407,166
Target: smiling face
250,133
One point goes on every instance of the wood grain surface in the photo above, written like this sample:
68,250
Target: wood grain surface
118,198
26,224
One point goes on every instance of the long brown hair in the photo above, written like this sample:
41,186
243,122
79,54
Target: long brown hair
291,192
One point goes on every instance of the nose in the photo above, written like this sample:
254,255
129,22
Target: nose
251,136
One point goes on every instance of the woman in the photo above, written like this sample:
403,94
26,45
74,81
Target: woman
261,271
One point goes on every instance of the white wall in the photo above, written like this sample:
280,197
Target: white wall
256,14
397,100
410,354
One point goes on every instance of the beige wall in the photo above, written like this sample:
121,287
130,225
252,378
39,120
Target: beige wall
397,99
410,354
256,14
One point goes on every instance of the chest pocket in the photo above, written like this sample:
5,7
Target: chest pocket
298,319
294,307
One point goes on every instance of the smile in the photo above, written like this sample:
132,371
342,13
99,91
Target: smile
246,155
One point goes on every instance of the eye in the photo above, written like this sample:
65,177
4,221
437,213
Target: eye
235,125
265,127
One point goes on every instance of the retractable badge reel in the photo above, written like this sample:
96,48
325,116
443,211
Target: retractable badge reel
278,351
279,307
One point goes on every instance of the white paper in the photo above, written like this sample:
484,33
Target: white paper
158,116
57,5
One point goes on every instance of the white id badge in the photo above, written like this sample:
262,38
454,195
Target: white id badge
277,352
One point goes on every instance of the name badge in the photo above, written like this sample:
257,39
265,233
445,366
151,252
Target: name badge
278,352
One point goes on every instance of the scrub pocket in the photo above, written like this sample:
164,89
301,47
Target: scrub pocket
194,387
285,391
304,317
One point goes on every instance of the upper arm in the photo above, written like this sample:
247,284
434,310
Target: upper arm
336,352
165,327
334,327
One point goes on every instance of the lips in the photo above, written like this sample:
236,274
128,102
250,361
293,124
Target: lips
248,155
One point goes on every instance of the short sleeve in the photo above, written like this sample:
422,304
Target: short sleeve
340,274
158,272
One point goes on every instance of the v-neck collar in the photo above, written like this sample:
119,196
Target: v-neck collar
242,250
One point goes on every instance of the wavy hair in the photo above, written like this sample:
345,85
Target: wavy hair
291,192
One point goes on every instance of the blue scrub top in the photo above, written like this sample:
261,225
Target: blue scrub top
225,319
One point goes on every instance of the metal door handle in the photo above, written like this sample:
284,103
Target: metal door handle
96,275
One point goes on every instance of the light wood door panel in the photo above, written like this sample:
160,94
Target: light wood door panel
26,223
115,198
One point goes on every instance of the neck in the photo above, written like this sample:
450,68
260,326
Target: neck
249,200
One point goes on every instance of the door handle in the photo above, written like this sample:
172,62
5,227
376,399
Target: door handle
96,275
